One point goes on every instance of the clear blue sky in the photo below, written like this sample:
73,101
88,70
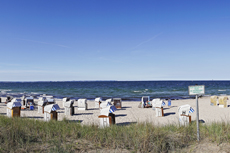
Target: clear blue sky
52,40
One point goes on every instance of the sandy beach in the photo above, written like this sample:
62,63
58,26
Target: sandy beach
130,113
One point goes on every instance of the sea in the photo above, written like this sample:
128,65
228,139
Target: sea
127,90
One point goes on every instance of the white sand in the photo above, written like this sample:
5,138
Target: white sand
130,113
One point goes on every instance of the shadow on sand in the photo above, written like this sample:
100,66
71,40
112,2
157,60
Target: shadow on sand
83,114
171,113
121,115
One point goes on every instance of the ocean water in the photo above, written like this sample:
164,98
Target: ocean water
127,90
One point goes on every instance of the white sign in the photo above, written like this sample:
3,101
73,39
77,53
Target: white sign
196,90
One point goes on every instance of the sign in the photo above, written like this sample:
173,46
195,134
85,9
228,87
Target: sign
196,90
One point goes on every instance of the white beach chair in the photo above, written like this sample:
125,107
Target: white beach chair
29,100
42,101
69,108
50,112
82,104
97,102
145,101
109,100
154,101
117,102
213,100
106,117
159,109
223,102
64,100
184,117
14,108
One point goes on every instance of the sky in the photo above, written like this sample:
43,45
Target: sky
86,40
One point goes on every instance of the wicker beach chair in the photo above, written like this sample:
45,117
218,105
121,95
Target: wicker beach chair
50,112
14,108
223,102
145,102
69,108
117,102
106,117
98,101
154,101
64,100
82,104
184,117
159,109
213,100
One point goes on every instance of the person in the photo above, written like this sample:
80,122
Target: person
169,102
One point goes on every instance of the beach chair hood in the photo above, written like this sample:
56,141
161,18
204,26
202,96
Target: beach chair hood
108,109
158,103
98,99
49,97
42,101
69,103
50,100
145,99
65,99
82,103
109,100
51,107
104,104
154,101
14,103
184,109
29,98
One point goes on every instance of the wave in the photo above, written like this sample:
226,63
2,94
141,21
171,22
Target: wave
3,90
137,91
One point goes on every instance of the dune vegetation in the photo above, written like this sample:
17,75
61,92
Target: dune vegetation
29,135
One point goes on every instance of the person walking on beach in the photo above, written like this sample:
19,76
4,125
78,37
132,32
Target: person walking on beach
169,102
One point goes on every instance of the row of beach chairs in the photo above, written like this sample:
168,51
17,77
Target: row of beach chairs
157,104
219,101
47,106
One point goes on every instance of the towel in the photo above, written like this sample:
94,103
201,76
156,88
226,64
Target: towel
191,110
112,109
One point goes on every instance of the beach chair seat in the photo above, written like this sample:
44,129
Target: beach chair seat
117,102
145,101
29,101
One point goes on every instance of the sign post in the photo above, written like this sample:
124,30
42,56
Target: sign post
197,90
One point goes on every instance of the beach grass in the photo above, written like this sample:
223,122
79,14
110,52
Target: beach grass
29,135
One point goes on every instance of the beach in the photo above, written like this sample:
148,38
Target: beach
130,113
